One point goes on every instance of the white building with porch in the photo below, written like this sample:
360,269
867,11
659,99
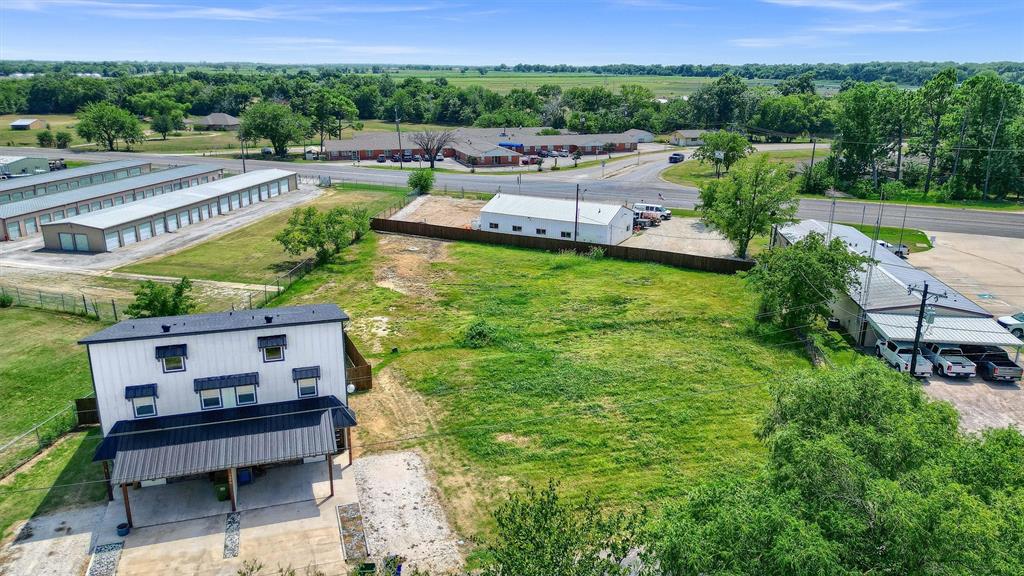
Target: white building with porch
226,401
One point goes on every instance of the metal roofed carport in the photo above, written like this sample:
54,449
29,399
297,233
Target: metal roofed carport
196,443
948,329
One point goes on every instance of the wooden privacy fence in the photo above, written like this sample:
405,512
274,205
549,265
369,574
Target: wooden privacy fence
358,371
721,265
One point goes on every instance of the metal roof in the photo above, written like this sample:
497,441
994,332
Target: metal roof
951,329
140,391
895,270
306,372
11,159
217,119
24,121
227,381
271,341
199,442
148,207
177,326
86,193
69,174
477,140
552,209
172,351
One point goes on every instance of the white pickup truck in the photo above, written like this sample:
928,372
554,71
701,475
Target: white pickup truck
949,360
898,355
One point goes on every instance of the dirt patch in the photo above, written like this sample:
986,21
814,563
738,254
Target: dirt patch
441,210
402,514
371,329
405,264
391,410
520,441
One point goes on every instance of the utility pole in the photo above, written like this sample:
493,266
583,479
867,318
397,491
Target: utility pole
401,151
243,154
810,171
920,320
988,159
576,219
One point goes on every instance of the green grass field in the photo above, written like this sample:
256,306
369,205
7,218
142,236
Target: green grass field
693,173
56,122
251,254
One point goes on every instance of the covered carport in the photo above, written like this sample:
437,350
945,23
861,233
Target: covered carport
945,329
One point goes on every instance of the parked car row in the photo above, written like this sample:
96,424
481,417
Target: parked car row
950,360
409,158
553,153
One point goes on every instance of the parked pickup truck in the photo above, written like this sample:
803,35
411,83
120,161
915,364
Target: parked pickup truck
1015,324
949,360
993,363
898,355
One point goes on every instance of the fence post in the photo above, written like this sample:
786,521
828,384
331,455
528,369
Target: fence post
18,292
41,305
62,308
250,300
85,305
39,439
113,306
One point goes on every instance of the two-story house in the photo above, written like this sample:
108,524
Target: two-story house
185,396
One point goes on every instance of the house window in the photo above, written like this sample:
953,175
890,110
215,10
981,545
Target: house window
493,225
245,395
307,387
566,234
174,364
210,399
517,228
144,407
541,231
273,354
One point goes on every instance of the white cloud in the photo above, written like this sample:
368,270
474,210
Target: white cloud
846,5
775,41
254,13
896,27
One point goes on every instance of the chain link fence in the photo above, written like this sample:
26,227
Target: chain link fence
21,448
109,310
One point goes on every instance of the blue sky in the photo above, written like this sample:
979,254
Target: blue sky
510,32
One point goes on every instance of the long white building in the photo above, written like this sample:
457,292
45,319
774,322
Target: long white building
591,222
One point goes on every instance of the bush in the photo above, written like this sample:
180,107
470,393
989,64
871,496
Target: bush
6,301
820,178
595,253
481,334
45,139
421,180
62,139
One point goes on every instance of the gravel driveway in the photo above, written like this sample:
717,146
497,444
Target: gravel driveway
52,545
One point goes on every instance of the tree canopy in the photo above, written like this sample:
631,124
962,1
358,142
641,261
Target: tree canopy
275,122
325,233
154,299
732,146
106,124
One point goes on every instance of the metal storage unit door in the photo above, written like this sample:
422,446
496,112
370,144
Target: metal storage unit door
284,185
81,243
183,219
205,211
67,241
158,225
224,205
128,235
145,231
172,222
195,215
273,188
111,240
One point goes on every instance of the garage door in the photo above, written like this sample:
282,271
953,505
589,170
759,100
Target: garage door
158,226
110,238
224,205
172,222
273,188
128,236
284,186
67,241
81,243
145,231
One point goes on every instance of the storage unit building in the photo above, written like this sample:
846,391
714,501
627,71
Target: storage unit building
27,124
23,218
557,218
17,166
61,181
130,223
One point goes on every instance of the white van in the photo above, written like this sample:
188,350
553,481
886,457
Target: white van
658,209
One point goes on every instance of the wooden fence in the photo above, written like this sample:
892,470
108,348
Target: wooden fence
721,265
358,371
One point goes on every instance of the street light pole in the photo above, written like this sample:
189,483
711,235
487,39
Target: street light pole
401,151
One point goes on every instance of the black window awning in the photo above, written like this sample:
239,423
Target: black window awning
270,341
172,351
140,391
227,381
307,372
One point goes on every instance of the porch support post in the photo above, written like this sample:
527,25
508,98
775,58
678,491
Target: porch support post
127,506
348,444
106,476
330,473
232,489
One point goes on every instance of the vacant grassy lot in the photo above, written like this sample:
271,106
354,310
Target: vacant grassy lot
40,487
917,240
693,173
622,379
56,122
43,367
251,254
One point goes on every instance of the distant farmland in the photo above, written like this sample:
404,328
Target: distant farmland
666,86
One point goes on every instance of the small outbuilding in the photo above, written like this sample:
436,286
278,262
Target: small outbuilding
688,137
13,166
591,222
638,135
216,121
28,124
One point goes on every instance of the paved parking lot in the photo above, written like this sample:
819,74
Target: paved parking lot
981,404
684,235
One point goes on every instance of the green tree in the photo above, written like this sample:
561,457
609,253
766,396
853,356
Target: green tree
755,196
576,155
863,138
538,533
45,139
154,300
934,100
62,139
802,84
325,233
797,283
167,122
275,122
331,111
105,123
733,147
421,180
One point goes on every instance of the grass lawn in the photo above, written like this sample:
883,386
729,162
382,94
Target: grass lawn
56,122
917,240
622,379
933,201
39,488
251,254
693,173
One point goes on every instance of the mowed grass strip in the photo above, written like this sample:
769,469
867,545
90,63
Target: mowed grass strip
692,173
251,254
43,367
621,379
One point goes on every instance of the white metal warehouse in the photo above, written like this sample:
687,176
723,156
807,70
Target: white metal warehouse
57,181
23,218
130,223
557,218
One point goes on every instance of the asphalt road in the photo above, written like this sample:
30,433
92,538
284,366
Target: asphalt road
617,189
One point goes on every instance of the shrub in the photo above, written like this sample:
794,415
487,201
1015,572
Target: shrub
480,334
45,139
595,253
6,301
421,180
62,139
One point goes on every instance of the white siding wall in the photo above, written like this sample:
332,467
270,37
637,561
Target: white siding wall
119,364
618,230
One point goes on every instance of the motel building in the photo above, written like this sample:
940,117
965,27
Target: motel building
201,412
